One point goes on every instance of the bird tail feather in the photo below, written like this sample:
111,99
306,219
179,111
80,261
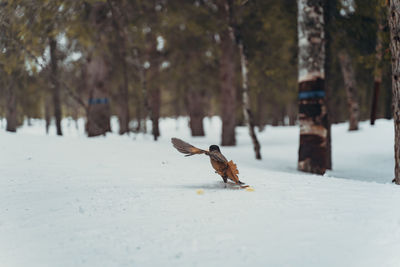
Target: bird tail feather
186,148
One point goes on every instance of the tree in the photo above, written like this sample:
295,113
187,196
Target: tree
55,83
248,115
98,74
195,103
351,88
312,102
192,54
121,55
227,76
12,57
330,11
47,22
11,107
394,24
380,10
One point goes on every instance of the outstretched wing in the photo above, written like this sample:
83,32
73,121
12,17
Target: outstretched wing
186,148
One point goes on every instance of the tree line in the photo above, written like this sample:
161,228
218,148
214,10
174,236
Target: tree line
252,62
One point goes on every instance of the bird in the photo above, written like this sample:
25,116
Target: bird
226,169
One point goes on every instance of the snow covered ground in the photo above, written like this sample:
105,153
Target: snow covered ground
130,201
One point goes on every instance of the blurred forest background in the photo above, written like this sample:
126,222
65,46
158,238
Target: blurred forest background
146,59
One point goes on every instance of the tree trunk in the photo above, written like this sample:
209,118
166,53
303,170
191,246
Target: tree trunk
138,118
121,54
55,83
394,24
11,111
195,103
248,115
351,89
388,104
291,112
97,76
123,107
155,104
375,98
312,102
329,14
227,76
260,114
47,113
98,121
377,72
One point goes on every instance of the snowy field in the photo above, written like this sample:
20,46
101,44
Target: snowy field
130,201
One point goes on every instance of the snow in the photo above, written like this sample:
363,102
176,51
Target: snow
130,201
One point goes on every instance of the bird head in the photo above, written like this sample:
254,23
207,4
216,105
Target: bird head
214,148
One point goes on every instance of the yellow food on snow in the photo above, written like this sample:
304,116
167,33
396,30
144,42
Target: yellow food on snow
200,191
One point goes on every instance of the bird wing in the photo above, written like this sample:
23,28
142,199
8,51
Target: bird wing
186,148
215,155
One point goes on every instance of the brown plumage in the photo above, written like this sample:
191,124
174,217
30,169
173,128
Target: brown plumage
227,169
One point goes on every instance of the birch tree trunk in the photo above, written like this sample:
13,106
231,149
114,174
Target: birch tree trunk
377,72
394,24
248,116
99,113
97,76
312,103
55,84
351,89
227,76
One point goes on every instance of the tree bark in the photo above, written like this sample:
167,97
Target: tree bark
98,121
291,112
260,114
151,89
123,96
329,15
312,103
227,77
11,111
97,76
55,83
248,115
388,104
123,106
377,72
47,113
195,104
351,89
394,24
155,104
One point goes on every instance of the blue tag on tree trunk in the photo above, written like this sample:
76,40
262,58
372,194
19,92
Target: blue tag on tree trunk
95,101
311,94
